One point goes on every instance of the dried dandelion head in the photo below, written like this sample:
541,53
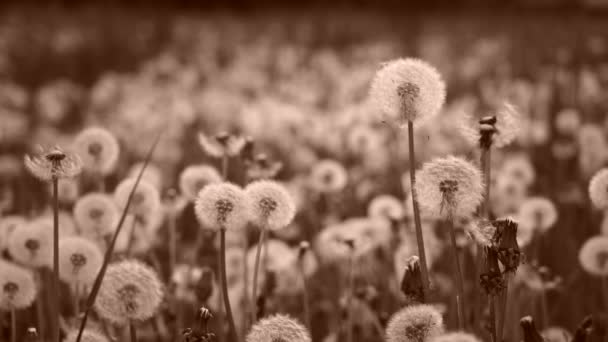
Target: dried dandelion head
31,244
457,336
408,89
593,256
272,207
53,163
88,335
195,177
491,279
416,323
449,187
79,260
17,287
387,207
278,328
98,149
598,189
537,214
7,225
146,198
130,291
96,214
222,206
328,176
222,144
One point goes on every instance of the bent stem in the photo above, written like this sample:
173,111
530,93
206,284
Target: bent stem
224,281
256,270
56,294
419,238
460,281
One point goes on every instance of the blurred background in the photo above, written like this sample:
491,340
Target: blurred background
295,76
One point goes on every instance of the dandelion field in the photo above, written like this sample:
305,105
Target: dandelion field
302,176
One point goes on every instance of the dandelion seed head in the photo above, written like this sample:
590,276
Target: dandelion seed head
408,89
593,256
88,335
96,214
195,177
387,207
449,187
222,206
152,174
79,260
537,214
130,291
508,125
17,287
328,176
30,244
222,144
598,189
52,163
556,334
146,198
278,328
7,225
519,168
457,336
416,323
568,121
272,206
98,149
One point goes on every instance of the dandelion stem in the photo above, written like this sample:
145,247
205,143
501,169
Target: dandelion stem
132,236
13,325
256,270
492,304
40,304
460,280
544,308
56,295
504,296
247,315
172,241
224,281
305,298
349,298
423,268
75,300
133,331
605,293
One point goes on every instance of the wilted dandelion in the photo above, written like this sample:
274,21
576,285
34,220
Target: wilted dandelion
278,328
408,89
328,176
593,256
79,260
146,198
598,189
449,187
96,214
31,245
52,164
130,291
17,287
416,323
387,207
87,336
457,336
537,214
222,206
221,145
195,177
98,149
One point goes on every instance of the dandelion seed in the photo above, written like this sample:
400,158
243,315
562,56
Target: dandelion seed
593,256
457,337
130,291
278,328
222,206
387,207
222,144
146,198
196,177
52,164
87,336
79,260
31,245
271,205
17,287
96,214
98,149
408,89
416,323
449,187
328,176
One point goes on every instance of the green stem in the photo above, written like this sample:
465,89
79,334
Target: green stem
56,294
133,332
232,332
419,237
256,271
460,279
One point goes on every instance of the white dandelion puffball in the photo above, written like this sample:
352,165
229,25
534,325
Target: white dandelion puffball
456,336
598,189
416,323
146,198
520,168
568,121
68,190
537,214
508,125
408,89
98,149
79,260
222,206
328,176
88,335
31,244
152,174
593,256
278,328
67,226
272,207
130,291
387,207
96,214
449,187
195,177
18,289
7,225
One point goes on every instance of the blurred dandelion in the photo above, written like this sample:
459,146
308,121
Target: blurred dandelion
87,336
18,291
416,323
7,225
79,261
593,256
457,336
598,189
52,164
537,215
328,176
31,245
556,334
96,215
221,145
146,198
278,328
387,207
195,177
98,149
